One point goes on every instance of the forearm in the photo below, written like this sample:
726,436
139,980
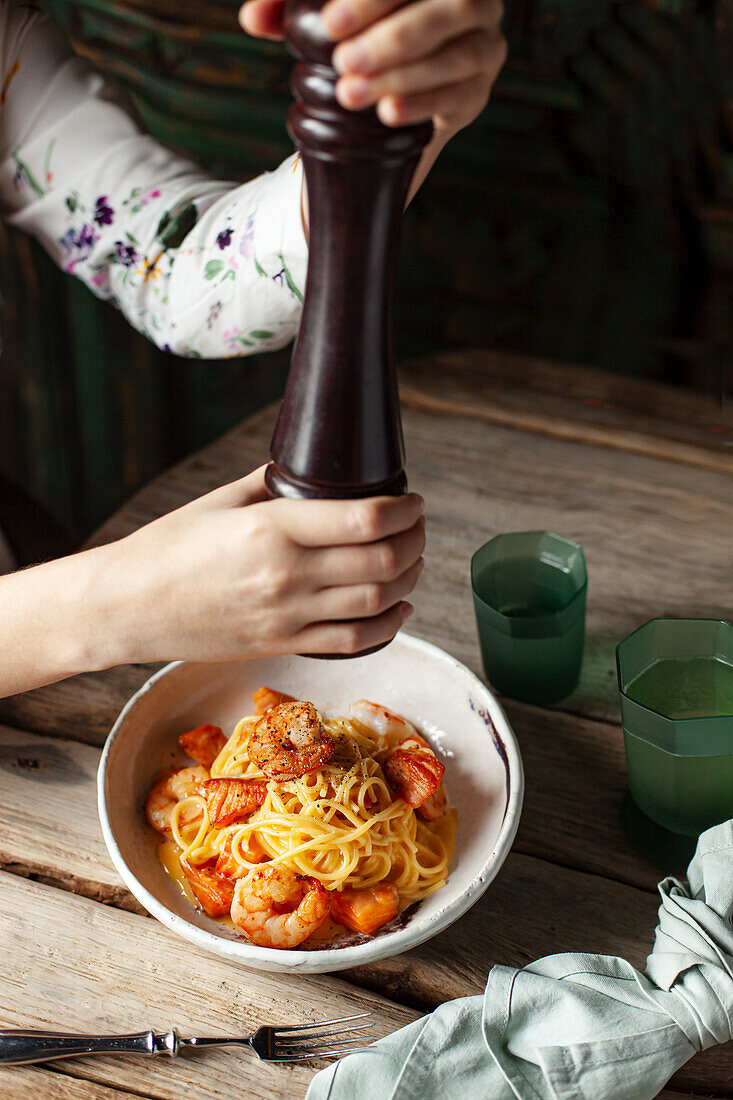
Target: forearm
62,618
204,268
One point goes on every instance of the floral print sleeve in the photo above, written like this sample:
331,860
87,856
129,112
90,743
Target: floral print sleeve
204,268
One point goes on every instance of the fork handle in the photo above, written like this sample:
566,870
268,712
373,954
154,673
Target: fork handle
18,1047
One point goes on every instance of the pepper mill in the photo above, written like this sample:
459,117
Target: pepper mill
339,433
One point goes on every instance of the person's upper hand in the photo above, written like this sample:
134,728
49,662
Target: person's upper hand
236,575
426,59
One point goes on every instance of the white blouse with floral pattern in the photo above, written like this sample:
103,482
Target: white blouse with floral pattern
203,268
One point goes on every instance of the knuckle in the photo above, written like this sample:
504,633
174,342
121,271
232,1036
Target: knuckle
367,520
388,564
349,639
255,527
271,629
396,83
373,599
466,10
402,37
277,582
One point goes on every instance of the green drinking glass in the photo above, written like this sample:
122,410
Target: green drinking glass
529,591
675,679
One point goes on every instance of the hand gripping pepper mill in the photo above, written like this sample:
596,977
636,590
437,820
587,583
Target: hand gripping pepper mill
339,433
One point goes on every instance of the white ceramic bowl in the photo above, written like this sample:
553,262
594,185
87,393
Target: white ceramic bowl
463,720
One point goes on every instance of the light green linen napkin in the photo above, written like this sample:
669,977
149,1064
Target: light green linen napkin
586,1027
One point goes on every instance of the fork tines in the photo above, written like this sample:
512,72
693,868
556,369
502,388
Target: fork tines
319,1036
277,1028
300,1042
320,1054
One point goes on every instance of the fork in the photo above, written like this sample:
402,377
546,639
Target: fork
296,1043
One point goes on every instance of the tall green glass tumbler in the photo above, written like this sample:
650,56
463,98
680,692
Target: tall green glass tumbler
675,679
529,590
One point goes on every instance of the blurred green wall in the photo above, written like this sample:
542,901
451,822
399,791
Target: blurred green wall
587,216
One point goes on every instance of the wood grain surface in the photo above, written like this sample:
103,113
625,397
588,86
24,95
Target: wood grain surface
33,1082
578,403
643,481
106,971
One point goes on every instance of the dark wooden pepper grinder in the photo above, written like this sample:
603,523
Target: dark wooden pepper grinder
339,432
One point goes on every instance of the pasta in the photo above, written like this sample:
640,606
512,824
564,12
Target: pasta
341,827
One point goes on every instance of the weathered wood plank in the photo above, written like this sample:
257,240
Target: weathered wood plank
641,522
657,535
112,971
49,828
83,708
32,1083
577,810
667,1094
710,1072
574,402
107,971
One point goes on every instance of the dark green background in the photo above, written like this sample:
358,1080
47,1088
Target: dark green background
586,216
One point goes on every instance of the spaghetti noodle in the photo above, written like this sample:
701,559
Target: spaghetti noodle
341,824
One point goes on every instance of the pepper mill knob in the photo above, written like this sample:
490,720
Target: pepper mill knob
339,433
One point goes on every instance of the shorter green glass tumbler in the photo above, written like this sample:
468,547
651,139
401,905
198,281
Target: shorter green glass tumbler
529,592
675,679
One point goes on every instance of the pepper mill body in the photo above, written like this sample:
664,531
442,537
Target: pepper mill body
339,433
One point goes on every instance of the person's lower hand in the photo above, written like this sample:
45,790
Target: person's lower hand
426,59
236,575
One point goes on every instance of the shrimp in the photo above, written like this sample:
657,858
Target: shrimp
276,908
413,770
171,786
266,698
187,781
289,741
411,766
229,799
392,727
203,744
435,805
365,910
213,892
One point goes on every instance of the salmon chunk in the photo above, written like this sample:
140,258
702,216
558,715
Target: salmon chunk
365,910
203,744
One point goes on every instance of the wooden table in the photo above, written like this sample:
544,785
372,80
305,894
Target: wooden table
641,476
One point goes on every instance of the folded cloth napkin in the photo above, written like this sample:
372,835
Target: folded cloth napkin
586,1027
